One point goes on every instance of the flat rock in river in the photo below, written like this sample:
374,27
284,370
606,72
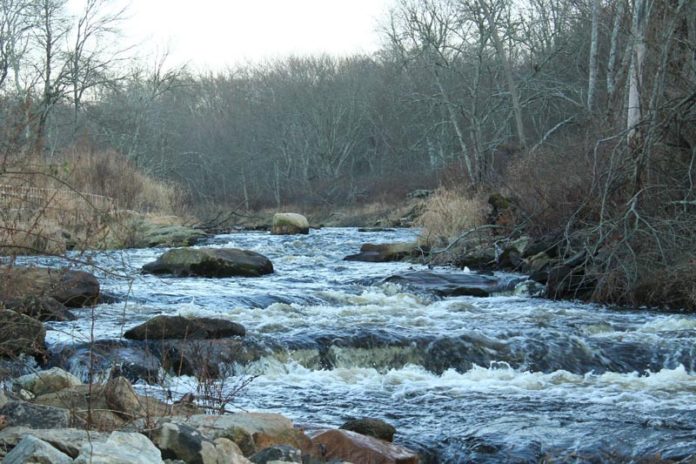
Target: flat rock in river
210,262
387,252
179,327
442,284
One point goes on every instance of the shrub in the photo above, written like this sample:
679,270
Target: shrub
447,213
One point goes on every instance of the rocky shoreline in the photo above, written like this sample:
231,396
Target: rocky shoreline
51,416
52,413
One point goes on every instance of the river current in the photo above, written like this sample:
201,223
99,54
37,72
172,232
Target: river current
508,378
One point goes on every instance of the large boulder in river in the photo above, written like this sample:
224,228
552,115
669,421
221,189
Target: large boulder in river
210,262
20,334
179,327
387,252
74,289
354,447
289,224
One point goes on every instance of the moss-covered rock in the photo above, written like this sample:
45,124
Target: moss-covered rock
170,236
210,262
289,224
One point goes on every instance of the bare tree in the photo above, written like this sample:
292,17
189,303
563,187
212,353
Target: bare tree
492,9
594,63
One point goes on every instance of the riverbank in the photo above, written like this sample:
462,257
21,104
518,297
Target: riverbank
574,259
455,371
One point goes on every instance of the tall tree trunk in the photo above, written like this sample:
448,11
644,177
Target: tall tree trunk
638,50
614,47
594,65
457,129
507,68
641,12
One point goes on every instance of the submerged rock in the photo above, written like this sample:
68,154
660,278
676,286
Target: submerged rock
134,360
289,224
453,284
207,358
179,327
387,252
354,447
376,428
376,229
210,262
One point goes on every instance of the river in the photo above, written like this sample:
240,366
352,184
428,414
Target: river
508,378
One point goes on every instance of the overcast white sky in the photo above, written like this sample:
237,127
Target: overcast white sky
212,34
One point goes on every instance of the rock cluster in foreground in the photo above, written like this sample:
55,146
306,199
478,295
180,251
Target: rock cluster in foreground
68,422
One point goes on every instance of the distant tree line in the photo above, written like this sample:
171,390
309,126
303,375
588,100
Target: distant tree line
461,89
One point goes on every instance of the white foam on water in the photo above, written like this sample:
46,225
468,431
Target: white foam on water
668,324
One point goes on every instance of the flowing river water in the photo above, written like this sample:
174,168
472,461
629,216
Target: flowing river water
508,378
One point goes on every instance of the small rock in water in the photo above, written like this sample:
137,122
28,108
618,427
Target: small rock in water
529,288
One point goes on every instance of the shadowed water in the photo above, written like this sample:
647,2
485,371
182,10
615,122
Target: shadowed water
499,379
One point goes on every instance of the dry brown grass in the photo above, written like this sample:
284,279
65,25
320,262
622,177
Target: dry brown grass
79,200
114,176
447,213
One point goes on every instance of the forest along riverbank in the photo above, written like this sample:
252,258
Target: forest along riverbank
505,378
